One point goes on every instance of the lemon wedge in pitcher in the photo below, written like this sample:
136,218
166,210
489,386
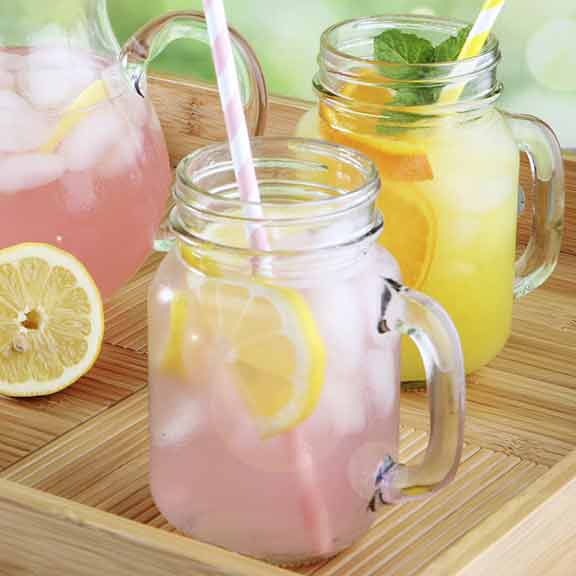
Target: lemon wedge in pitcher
71,117
51,320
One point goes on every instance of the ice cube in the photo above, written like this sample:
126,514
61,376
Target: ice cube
382,377
54,77
92,138
231,420
135,108
343,401
54,88
124,156
12,102
45,88
79,192
337,309
176,418
21,127
341,232
24,171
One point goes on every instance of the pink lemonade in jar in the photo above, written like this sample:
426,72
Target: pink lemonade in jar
213,474
274,374
83,163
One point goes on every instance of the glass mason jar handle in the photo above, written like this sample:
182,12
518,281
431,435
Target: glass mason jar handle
415,315
539,142
155,36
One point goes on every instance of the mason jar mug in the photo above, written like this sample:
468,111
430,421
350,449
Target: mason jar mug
274,366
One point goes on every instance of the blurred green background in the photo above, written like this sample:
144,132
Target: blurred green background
538,42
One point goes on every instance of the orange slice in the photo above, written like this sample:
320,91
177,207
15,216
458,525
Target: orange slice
398,158
409,221
410,231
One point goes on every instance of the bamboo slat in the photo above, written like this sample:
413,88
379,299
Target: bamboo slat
74,495
535,533
28,424
43,535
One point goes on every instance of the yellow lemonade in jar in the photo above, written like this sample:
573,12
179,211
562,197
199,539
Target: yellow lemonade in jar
449,167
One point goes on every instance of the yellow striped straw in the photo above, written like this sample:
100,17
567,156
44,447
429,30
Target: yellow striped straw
474,43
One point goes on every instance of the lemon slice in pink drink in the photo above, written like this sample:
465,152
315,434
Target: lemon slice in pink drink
267,337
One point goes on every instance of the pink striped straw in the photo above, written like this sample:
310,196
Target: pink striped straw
314,513
238,138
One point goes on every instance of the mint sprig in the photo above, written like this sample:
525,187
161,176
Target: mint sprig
404,48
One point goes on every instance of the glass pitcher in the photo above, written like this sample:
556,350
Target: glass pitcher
83,163
274,373
449,174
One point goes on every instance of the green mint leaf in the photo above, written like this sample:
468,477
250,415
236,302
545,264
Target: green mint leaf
415,96
396,47
396,121
449,50
399,47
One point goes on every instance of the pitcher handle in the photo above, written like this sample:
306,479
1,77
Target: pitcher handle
420,318
539,260
155,36
148,42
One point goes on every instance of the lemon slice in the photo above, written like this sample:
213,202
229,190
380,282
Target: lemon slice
172,359
268,339
91,96
265,335
367,91
51,320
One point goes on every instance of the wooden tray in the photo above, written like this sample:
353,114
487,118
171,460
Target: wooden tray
73,467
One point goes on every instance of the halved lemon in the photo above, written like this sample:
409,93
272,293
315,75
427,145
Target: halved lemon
266,338
51,320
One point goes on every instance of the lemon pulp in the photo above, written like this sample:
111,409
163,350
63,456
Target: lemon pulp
51,320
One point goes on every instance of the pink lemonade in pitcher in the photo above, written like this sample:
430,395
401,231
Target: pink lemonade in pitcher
83,163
